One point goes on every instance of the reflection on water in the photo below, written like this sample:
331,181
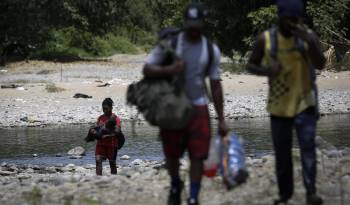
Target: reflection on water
18,144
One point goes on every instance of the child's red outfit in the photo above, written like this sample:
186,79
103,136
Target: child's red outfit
107,147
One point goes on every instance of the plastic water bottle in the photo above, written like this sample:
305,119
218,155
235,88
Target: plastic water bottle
211,165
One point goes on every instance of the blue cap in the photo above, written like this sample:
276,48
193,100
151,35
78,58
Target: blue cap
290,8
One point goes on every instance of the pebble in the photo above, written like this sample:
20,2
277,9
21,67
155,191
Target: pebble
333,153
137,162
58,155
77,151
125,157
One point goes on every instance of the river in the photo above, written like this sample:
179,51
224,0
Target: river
19,144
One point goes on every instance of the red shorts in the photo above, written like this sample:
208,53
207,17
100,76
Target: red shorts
195,137
106,151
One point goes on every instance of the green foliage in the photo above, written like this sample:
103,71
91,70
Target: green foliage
52,88
170,12
72,44
329,18
261,20
229,25
77,28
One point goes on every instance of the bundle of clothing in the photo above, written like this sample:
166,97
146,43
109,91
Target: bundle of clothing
109,129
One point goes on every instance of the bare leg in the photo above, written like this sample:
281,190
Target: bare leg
98,165
113,165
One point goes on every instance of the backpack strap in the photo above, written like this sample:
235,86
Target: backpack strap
117,120
273,42
210,49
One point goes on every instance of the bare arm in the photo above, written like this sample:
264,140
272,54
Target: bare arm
315,53
254,64
216,90
217,93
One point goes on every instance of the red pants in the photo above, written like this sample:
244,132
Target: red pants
195,137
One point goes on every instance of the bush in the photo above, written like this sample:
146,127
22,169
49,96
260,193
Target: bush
71,44
52,88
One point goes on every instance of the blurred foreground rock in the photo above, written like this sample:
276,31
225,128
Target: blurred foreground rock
144,182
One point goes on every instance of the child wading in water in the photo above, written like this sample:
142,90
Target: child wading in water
107,146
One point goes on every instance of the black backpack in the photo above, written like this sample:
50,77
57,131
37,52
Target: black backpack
162,101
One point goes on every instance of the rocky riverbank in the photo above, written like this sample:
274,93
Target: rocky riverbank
146,183
46,90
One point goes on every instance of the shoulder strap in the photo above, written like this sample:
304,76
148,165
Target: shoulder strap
210,49
117,120
273,42
174,41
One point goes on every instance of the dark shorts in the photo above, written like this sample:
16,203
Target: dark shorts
195,137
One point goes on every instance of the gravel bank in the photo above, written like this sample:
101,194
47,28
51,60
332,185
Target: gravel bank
33,105
146,182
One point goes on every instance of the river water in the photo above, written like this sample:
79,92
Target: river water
17,145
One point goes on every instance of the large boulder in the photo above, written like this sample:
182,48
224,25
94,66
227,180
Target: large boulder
77,151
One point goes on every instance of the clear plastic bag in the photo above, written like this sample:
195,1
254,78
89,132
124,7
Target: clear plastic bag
233,166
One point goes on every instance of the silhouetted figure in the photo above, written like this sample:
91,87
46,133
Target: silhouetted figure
197,59
287,55
107,137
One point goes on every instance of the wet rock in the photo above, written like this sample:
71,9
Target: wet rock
69,168
330,190
80,169
51,170
7,173
77,151
75,157
24,119
24,176
125,157
89,166
29,170
104,85
81,95
137,162
323,144
58,155
10,86
21,89
333,153
12,168
346,152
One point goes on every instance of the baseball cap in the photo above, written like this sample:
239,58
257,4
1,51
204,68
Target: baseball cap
195,15
290,8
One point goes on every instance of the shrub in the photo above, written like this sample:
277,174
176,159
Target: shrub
52,88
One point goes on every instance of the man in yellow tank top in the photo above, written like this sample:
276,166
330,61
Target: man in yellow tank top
287,55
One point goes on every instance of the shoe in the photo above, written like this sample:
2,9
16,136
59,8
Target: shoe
192,202
314,199
174,197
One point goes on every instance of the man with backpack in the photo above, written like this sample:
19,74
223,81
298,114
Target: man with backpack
288,55
196,59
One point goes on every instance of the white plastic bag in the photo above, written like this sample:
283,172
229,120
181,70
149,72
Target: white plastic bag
211,165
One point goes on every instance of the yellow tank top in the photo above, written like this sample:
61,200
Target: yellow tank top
290,92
